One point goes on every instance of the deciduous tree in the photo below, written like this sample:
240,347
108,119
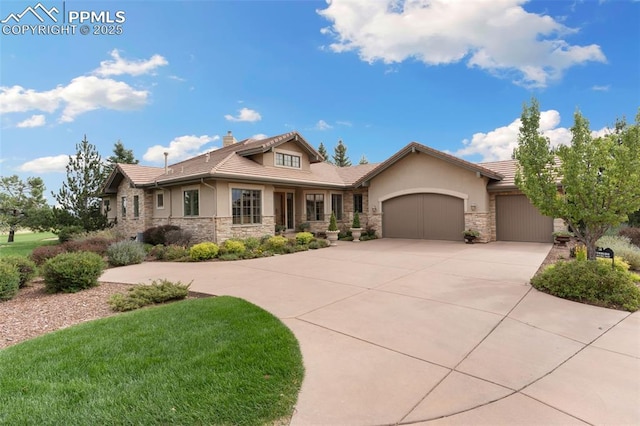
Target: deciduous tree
22,204
593,184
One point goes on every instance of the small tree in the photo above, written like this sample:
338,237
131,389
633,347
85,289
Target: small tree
333,225
22,204
363,160
323,151
340,157
120,155
79,194
594,183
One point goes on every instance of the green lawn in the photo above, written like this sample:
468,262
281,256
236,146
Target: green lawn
24,243
206,361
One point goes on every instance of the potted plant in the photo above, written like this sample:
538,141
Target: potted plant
332,232
470,235
356,229
562,237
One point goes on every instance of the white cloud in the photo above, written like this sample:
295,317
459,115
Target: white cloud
497,36
259,136
498,144
344,123
55,164
245,114
18,99
322,125
176,78
601,88
33,121
179,148
119,66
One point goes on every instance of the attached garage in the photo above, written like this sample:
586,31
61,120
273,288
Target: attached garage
519,220
423,216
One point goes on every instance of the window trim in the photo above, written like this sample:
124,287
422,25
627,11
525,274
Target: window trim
292,154
159,207
252,214
323,210
189,189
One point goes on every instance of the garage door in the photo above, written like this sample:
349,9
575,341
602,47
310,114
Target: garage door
519,220
423,216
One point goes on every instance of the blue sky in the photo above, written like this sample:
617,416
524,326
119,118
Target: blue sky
376,74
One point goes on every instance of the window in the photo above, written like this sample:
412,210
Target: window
287,160
315,207
357,203
246,206
191,202
136,206
336,205
124,207
105,206
160,200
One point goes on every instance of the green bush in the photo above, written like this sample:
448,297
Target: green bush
590,282
623,248
176,253
72,272
26,267
304,237
252,243
333,226
276,243
125,253
234,247
142,295
9,281
313,245
204,251
43,253
356,220
229,256
67,233
178,237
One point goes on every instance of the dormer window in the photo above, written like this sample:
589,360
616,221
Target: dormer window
287,160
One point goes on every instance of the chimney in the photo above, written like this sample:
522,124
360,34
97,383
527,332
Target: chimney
166,164
228,139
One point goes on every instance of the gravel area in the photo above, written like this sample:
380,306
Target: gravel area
34,312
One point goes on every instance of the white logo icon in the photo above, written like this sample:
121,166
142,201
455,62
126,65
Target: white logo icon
34,11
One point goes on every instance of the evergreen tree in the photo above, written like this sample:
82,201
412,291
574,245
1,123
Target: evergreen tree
79,194
323,151
340,157
363,160
120,155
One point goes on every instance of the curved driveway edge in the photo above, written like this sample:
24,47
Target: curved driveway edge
426,332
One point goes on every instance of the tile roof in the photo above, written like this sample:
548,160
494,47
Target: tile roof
140,174
506,168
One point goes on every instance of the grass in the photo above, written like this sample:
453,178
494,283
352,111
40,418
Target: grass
201,361
24,243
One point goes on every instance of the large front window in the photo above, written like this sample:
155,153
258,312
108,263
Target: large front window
191,202
246,206
336,205
287,160
315,207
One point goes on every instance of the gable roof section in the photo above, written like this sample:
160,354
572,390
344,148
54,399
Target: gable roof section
135,173
264,145
506,168
416,147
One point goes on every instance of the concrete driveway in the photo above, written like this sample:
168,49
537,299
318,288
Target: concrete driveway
424,332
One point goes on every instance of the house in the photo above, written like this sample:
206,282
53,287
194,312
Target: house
248,187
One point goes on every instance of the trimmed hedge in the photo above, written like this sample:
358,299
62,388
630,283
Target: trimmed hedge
72,272
9,281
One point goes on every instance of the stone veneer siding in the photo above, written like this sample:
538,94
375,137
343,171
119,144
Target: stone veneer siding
479,221
226,229
129,226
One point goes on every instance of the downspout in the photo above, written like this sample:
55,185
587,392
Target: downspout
215,208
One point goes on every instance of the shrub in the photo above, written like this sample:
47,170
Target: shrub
43,253
67,233
304,237
9,281
126,253
72,272
322,243
229,256
623,248
98,245
204,251
178,237
581,252
303,227
176,253
234,247
276,243
333,226
590,282
633,234
313,245
26,267
142,295
156,234
356,220
251,243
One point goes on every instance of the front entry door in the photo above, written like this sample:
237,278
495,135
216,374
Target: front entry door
283,205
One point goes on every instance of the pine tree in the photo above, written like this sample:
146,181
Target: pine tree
79,194
363,160
340,157
22,204
120,155
323,151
